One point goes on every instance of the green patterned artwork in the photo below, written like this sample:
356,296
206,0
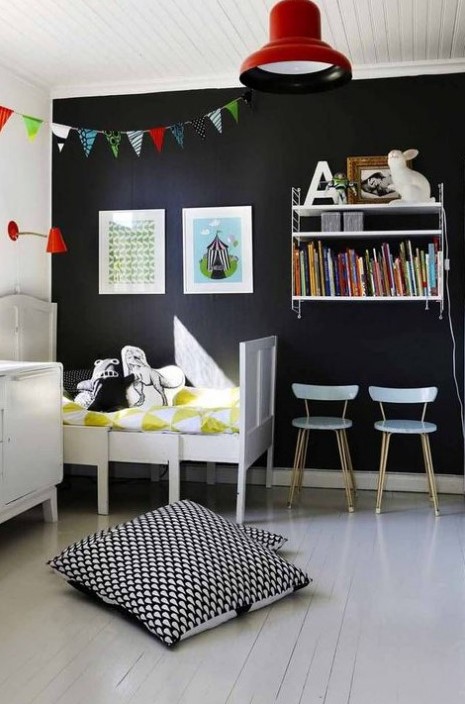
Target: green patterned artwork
132,251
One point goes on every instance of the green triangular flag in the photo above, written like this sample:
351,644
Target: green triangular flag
114,140
32,126
233,109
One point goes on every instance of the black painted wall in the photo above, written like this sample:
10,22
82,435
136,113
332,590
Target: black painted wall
276,145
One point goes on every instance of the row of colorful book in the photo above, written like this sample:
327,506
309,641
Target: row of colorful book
318,270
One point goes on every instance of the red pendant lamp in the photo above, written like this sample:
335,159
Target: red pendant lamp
295,60
55,241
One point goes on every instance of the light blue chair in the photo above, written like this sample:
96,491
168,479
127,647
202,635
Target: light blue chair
337,424
423,395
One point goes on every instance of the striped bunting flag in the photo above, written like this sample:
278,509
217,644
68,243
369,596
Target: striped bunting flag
135,138
5,114
215,117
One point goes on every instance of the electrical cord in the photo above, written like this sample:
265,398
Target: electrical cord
449,318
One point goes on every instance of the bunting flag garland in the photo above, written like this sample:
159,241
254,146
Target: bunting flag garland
198,123
215,117
61,133
177,131
135,138
232,107
114,140
32,126
158,135
88,136
5,114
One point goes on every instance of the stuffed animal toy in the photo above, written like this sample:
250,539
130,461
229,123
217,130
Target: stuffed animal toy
88,389
412,186
151,387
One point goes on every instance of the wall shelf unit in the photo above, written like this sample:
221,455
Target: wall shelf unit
376,262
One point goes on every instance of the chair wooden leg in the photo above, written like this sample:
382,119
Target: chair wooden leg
349,462
382,469
430,471
425,460
345,470
296,468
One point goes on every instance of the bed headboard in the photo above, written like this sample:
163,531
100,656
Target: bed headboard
27,329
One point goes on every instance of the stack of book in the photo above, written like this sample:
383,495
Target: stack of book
320,271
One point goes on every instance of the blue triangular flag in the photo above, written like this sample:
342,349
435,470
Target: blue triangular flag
178,132
87,138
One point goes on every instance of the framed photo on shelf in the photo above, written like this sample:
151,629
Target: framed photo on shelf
217,249
372,178
131,251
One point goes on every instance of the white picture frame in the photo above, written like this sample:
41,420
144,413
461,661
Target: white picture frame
131,251
217,249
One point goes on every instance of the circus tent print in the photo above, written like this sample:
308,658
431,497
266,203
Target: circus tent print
219,250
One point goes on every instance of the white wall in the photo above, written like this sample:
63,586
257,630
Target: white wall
25,189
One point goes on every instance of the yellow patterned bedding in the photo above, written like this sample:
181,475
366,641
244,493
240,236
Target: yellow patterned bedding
180,418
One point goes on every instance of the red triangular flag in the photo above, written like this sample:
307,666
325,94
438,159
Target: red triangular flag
5,114
158,134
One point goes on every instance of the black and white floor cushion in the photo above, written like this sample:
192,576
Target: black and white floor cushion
179,570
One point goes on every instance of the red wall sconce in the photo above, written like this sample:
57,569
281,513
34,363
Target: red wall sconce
55,241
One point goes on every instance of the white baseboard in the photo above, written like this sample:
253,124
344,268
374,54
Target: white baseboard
315,478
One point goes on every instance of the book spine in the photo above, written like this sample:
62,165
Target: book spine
322,268
302,273
311,267
326,270
432,269
411,267
317,272
296,271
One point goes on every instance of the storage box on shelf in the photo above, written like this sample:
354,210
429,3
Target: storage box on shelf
368,264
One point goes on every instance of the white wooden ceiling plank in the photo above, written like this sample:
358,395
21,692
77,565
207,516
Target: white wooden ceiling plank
377,12
447,28
202,26
182,36
458,40
126,48
406,20
249,13
333,31
420,15
434,28
365,29
392,19
343,13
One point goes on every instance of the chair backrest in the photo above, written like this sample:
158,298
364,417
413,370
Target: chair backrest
318,392
385,394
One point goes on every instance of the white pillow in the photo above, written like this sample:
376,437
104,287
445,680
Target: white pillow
152,387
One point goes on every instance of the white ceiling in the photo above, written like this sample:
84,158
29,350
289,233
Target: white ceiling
88,47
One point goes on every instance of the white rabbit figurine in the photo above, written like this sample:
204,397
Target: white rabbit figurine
412,186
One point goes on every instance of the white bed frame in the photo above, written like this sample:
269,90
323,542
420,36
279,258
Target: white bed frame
28,331
257,370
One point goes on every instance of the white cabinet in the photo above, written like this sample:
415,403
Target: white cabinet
380,261
31,456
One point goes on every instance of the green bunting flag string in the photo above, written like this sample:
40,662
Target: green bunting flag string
113,138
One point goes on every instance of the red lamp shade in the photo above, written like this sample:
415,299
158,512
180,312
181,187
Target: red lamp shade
55,242
295,60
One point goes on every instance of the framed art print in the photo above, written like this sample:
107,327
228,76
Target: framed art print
373,179
217,249
132,251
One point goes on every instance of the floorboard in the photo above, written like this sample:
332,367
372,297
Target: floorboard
383,620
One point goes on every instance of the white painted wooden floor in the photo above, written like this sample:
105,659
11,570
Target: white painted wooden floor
382,623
